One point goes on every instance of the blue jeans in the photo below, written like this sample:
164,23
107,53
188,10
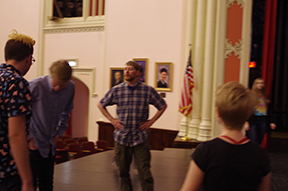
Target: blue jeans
142,156
12,183
258,129
43,170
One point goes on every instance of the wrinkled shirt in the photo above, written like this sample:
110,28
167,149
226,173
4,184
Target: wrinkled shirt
132,108
51,112
15,99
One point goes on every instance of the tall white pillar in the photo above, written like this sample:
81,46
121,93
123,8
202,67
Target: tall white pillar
205,125
197,62
190,34
219,58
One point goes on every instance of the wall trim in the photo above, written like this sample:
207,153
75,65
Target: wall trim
87,76
229,48
72,29
240,2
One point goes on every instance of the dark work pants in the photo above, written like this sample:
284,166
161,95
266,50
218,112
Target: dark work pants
11,184
142,156
43,170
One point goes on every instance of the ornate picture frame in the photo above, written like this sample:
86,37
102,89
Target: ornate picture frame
144,63
163,76
116,76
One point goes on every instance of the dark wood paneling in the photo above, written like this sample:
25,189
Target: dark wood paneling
162,138
105,132
159,138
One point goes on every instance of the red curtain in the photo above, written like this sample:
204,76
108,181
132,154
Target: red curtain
269,43
269,50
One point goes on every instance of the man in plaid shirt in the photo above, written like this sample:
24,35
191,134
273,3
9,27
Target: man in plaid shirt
132,125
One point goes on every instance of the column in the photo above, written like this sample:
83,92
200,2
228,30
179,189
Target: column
197,62
205,125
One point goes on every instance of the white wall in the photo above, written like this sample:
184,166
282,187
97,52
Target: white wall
134,29
148,29
22,16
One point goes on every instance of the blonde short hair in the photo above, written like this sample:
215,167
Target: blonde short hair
235,104
18,47
61,70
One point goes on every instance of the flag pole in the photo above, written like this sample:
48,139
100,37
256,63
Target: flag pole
186,138
188,73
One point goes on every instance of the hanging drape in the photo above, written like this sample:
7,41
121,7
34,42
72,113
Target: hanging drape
269,43
280,84
269,50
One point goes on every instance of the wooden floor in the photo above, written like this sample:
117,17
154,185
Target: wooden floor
97,172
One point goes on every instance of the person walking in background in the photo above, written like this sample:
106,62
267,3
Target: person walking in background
15,108
230,161
131,133
52,103
259,122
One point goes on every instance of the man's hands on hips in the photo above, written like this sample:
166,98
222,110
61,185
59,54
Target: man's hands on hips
117,124
145,125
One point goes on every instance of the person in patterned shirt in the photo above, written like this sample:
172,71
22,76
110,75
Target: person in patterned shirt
15,108
132,125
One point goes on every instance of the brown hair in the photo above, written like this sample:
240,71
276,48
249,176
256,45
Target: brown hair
262,91
18,46
134,64
235,104
61,70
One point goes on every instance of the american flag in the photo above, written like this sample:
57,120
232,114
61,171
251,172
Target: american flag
185,106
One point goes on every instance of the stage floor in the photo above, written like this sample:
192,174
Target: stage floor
96,172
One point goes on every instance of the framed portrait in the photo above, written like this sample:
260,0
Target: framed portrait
116,76
163,76
144,63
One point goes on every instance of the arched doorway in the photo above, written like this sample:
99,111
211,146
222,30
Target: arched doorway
78,124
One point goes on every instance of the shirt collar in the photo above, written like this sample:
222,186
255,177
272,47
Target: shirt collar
10,67
137,84
49,81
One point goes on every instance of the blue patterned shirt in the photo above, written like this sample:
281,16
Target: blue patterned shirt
15,99
132,108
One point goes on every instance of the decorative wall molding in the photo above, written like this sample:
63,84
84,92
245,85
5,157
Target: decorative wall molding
240,2
229,48
73,29
87,76
86,23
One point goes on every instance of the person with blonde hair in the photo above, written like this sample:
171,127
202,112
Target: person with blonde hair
15,112
52,103
258,123
230,161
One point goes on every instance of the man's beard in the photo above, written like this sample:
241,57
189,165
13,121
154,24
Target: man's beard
129,78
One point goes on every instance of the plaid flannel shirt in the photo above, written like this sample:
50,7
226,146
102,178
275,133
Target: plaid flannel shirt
132,108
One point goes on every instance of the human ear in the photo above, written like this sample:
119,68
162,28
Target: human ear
218,117
28,59
217,112
137,72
